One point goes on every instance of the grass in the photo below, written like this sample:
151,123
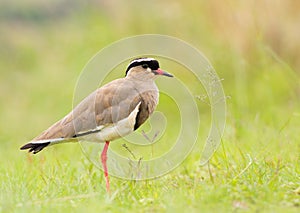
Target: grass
257,166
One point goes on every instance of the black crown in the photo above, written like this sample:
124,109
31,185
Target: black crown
152,63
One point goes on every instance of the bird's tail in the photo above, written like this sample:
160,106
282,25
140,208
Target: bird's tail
39,145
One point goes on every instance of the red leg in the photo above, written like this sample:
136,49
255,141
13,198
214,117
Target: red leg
103,160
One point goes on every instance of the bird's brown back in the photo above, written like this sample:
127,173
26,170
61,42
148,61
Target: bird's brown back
107,105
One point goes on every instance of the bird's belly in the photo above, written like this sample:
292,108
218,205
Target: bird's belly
113,132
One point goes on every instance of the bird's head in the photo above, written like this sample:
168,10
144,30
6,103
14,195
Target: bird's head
145,68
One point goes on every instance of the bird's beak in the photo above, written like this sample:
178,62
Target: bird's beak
161,72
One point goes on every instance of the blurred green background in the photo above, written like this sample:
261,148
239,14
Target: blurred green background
254,47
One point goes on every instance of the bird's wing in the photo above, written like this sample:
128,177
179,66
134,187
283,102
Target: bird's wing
105,106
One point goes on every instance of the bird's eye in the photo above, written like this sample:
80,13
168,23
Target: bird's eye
145,66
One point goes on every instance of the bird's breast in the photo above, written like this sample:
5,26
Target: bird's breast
149,102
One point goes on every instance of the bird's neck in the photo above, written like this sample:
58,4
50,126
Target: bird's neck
142,84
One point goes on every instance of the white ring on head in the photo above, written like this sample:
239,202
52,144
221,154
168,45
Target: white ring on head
142,59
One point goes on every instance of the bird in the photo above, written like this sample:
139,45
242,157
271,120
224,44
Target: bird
110,112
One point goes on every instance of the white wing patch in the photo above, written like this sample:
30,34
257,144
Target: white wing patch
52,141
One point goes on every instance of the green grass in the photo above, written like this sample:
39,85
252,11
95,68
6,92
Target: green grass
257,166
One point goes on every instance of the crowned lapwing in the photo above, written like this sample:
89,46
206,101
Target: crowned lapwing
112,111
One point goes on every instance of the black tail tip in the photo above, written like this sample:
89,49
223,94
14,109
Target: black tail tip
35,147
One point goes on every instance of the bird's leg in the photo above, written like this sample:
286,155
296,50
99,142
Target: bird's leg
103,160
